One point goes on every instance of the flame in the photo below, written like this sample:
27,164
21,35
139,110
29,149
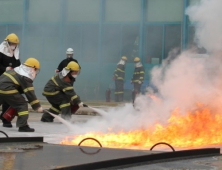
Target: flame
196,128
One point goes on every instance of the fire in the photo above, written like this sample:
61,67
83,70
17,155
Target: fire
195,129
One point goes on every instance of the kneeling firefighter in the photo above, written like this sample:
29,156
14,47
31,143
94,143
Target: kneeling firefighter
13,84
60,93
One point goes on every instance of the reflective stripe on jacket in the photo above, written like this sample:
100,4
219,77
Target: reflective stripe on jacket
56,86
119,73
138,74
13,83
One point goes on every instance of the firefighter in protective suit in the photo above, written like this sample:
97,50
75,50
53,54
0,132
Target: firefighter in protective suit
60,93
118,77
138,77
18,81
64,63
9,59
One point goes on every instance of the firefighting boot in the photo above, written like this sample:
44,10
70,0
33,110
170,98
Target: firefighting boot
6,123
46,117
46,120
26,128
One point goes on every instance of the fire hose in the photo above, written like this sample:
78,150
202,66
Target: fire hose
4,133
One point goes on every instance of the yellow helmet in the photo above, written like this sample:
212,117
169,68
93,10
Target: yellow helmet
13,38
136,59
124,58
32,62
73,66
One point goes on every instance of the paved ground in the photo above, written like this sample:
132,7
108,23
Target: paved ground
56,132
82,111
52,132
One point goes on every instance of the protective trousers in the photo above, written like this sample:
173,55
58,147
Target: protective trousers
119,91
5,106
136,90
59,103
18,102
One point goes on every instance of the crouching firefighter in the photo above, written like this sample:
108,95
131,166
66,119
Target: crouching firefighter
13,84
60,93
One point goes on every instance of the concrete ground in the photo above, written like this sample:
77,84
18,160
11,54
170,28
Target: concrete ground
53,132
82,111
56,132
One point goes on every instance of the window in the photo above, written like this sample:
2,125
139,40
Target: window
153,44
51,42
34,41
111,43
172,40
44,11
83,10
120,40
130,42
90,42
164,11
122,10
11,10
43,42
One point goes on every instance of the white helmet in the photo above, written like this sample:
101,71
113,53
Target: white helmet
69,51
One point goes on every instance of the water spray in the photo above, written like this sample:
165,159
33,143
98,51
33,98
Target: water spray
69,125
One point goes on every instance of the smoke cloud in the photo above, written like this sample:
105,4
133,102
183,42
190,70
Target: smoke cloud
189,79
207,17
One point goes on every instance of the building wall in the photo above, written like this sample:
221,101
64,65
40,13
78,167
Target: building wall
100,31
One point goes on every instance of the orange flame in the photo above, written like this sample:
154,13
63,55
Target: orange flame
195,129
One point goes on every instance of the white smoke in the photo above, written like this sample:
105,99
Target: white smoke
206,15
191,78
188,79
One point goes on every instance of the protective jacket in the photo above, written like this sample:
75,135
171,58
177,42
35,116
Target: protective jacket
65,62
61,96
138,74
6,61
119,73
13,83
57,86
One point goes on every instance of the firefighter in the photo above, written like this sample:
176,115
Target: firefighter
60,93
118,77
138,77
18,81
64,63
9,59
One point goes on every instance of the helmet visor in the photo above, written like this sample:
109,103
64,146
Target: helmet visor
37,70
69,55
75,72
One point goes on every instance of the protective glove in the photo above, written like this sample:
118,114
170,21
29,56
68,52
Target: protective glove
82,105
8,68
40,110
131,82
56,71
140,82
45,111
